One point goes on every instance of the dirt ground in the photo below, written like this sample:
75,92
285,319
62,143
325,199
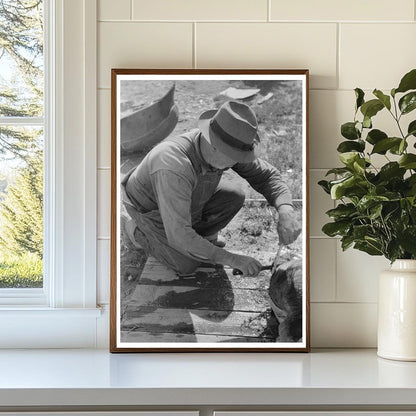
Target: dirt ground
253,230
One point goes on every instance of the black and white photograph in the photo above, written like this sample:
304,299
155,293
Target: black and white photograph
209,214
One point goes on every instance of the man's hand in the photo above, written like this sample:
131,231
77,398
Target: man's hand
288,227
249,266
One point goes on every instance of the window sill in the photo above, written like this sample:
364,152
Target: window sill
40,327
22,297
35,311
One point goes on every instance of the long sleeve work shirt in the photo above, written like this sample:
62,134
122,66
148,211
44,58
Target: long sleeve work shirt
175,180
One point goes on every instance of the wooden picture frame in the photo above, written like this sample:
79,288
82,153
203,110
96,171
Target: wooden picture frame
152,307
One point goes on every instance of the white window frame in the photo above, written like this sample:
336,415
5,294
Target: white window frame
64,313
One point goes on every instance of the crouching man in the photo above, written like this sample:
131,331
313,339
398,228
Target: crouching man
178,202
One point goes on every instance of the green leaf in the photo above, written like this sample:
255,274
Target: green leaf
391,170
342,211
371,108
393,250
338,187
375,212
349,146
368,248
375,135
393,92
412,201
407,240
338,171
359,166
347,187
411,184
375,243
361,231
411,180
367,122
398,149
383,145
349,158
369,201
325,186
408,102
408,161
350,131
346,242
385,99
408,82
359,94
411,130
336,228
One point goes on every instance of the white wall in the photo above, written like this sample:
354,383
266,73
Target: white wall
345,44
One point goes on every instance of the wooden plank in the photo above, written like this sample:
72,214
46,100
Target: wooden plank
242,324
155,273
198,298
128,336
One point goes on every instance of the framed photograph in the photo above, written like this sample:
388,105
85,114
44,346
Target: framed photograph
209,211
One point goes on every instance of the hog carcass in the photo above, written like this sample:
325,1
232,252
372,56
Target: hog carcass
285,293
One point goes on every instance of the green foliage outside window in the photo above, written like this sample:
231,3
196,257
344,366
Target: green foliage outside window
21,147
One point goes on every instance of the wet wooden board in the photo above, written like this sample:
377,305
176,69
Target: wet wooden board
156,273
189,321
199,298
130,336
211,305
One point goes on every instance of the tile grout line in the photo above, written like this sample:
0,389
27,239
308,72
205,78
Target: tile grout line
194,63
344,303
336,271
269,10
308,22
322,237
338,64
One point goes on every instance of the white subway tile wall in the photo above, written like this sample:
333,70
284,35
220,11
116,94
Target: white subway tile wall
114,10
355,10
375,55
357,275
345,44
103,270
104,202
104,128
338,325
142,45
200,10
322,269
270,45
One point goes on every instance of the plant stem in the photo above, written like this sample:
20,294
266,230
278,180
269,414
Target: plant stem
397,118
387,231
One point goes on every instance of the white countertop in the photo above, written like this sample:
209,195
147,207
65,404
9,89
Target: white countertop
96,377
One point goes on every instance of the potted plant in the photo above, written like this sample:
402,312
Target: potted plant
376,209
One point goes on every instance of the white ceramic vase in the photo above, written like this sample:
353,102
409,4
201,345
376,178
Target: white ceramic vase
397,312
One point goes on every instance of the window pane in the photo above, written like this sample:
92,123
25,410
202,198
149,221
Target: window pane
21,207
21,58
